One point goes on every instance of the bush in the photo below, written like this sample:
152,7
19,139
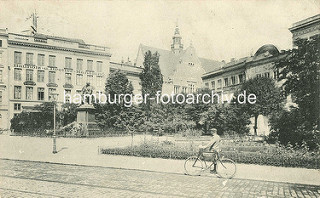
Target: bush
290,127
263,155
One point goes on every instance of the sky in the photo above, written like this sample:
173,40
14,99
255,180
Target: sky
218,30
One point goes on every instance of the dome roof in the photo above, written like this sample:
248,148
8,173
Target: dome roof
267,48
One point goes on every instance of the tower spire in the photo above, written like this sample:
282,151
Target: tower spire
176,45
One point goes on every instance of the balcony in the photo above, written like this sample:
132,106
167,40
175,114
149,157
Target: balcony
52,84
68,86
29,82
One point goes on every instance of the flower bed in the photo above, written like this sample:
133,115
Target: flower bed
276,157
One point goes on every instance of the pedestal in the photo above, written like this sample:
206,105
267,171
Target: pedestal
86,118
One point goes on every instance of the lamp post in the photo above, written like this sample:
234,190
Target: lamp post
54,98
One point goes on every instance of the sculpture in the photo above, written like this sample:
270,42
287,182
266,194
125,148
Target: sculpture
87,91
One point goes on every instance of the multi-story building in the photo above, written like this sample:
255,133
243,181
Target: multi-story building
231,75
181,68
228,78
306,28
34,66
132,72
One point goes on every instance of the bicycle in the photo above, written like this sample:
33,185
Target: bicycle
195,165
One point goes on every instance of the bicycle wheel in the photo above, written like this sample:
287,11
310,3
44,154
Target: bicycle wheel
193,166
226,168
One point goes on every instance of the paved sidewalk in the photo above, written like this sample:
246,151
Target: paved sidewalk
40,179
85,152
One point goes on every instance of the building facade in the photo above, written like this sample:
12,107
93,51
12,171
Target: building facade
181,68
306,28
35,66
132,72
227,79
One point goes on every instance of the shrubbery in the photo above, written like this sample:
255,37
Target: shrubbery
40,120
264,154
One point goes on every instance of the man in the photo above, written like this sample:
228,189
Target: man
212,146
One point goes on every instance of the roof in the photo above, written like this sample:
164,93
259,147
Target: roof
168,60
267,48
44,36
210,65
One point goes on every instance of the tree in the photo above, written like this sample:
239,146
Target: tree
299,74
151,77
300,71
107,114
268,98
37,121
227,119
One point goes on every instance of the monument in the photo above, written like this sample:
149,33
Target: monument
86,112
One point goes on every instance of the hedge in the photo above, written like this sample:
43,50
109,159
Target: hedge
273,157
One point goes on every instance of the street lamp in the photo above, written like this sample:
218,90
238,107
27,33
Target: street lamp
54,98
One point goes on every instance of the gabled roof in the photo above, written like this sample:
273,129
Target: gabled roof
210,65
168,60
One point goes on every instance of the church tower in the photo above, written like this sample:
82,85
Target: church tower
176,45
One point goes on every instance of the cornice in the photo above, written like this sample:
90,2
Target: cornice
57,48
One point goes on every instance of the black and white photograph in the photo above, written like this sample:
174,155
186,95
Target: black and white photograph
164,98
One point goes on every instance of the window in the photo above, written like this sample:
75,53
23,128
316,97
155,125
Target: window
233,80
191,88
79,79
99,81
226,82
213,84
206,85
17,57
29,58
29,93
90,79
99,66
267,74
52,61
51,91
184,89
68,78
0,96
219,84
241,78
79,64
259,75
1,76
40,93
89,65
17,74
67,94
68,62
40,59
52,77
40,76
17,106
17,92
0,43
176,89
29,76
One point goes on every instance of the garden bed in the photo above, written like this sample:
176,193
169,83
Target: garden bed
248,155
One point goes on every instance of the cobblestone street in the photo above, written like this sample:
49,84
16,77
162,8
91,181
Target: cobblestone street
38,179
